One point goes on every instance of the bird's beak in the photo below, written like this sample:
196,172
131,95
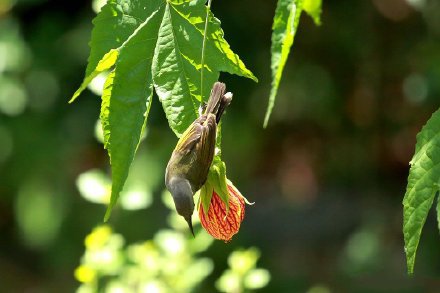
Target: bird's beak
190,225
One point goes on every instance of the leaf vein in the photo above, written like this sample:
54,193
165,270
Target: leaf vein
180,59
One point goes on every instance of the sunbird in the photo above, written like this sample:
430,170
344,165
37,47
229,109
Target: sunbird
188,167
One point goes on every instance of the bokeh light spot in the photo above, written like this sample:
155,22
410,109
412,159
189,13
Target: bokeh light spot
94,186
98,238
415,88
38,214
257,278
85,274
135,199
171,242
43,89
13,97
96,86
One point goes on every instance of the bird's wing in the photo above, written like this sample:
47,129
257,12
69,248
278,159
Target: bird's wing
190,137
195,150
206,147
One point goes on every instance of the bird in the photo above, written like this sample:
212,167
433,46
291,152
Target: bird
188,167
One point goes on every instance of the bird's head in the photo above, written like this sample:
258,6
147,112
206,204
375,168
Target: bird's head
182,194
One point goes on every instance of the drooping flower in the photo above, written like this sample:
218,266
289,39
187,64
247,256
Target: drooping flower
220,221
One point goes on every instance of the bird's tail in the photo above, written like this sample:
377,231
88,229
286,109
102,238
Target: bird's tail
217,92
224,102
218,101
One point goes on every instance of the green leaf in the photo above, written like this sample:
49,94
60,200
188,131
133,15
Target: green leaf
104,64
284,28
438,212
177,61
285,25
206,196
129,102
152,40
105,108
113,26
313,8
423,184
217,179
175,77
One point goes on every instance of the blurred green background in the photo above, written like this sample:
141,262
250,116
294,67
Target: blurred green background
327,176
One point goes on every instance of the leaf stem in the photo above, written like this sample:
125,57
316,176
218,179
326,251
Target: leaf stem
208,7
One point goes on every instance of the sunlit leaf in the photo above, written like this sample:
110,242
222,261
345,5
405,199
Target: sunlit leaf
130,101
285,25
104,64
423,184
313,8
177,61
284,28
142,41
113,26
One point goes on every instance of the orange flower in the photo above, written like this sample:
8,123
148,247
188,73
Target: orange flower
219,222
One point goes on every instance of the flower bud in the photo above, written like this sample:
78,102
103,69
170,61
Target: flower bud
221,223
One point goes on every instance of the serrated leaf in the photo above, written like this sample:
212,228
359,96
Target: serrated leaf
313,8
129,102
128,36
105,108
177,61
104,64
113,26
423,184
285,25
173,74
284,28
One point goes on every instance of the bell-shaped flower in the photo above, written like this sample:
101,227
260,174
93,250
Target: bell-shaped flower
222,220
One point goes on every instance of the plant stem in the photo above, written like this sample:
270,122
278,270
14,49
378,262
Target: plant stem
208,7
